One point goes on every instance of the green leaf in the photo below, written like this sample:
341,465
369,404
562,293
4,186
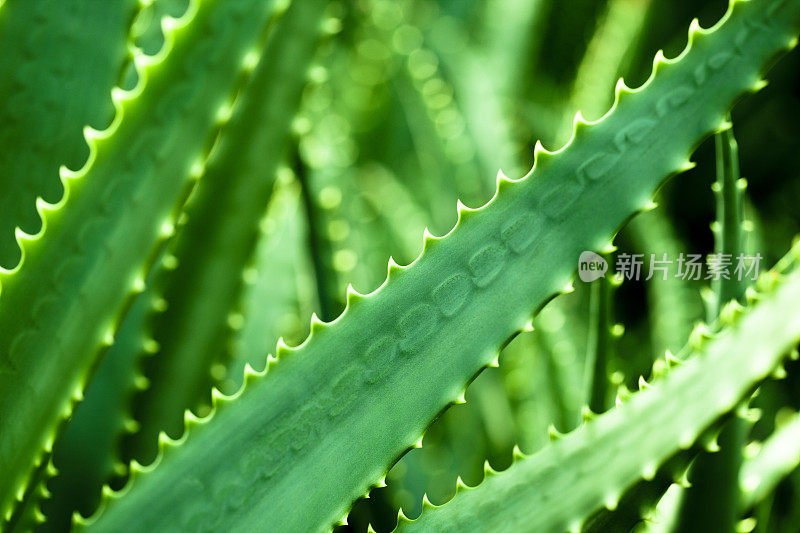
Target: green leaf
562,486
776,458
58,65
218,233
63,301
87,455
600,350
712,500
277,284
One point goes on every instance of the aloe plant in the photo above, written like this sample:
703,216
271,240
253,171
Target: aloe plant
241,181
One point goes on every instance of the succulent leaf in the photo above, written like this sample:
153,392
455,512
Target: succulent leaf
776,458
46,103
220,228
87,454
98,241
712,501
276,284
597,383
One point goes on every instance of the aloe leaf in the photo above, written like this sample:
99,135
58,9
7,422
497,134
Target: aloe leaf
553,491
456,111
333,413
729,227
63,301
600,345
476,109
48,97
146,30
87,455
712,500
277,284
776,458
713,475
203,289
28,515
319,195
